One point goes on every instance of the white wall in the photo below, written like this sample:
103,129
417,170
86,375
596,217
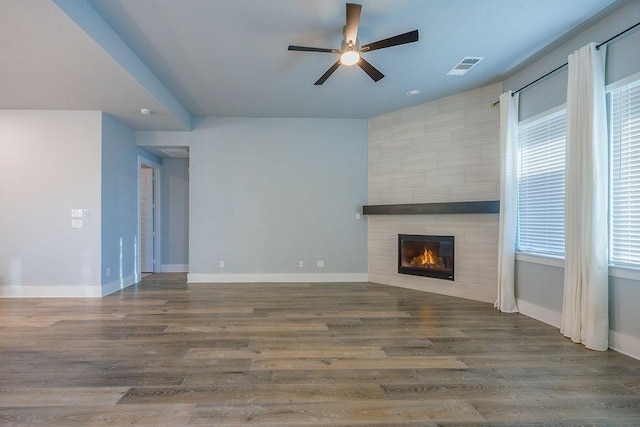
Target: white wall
539,283
267,193
175,215
49,164
443,151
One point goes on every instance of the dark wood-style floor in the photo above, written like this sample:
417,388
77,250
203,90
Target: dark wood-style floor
164,353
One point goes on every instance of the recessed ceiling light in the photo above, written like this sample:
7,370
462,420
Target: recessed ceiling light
145,111
413,92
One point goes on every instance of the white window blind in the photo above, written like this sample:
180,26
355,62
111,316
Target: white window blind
541,176
624,245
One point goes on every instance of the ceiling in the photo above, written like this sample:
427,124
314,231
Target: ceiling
189,58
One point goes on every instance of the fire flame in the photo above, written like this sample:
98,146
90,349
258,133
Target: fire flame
429,259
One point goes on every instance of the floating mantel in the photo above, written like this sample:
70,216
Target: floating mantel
490,206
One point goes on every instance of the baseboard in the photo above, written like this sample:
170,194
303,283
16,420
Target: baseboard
118,285
624,344
50,291
175,268
542,314
621,343
276,278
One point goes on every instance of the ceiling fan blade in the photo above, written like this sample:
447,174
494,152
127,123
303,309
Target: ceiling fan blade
410,37
312,49
353,20
326,75
370,70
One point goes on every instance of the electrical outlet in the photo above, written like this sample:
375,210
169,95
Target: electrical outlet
300,264
358,216
320,263
221,264
108,272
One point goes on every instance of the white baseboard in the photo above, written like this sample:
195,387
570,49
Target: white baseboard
50,291
542,314
621,343
117,285
175,268
624,344
276,278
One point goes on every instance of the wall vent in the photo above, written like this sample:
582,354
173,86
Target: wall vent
467,63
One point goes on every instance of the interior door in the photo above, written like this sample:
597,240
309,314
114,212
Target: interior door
146,220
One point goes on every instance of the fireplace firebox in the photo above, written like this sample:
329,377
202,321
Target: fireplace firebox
429,256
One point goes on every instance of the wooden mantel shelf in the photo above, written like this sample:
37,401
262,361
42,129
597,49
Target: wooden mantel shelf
490,206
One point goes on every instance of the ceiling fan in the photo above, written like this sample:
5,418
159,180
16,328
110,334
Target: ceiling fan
351,51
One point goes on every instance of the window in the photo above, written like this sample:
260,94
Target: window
624,235
541,172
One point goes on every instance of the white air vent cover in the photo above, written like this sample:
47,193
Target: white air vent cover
467,63
174,152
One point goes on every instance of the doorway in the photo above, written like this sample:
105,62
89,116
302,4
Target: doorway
148,253
147,224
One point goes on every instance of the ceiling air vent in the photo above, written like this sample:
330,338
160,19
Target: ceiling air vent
467,63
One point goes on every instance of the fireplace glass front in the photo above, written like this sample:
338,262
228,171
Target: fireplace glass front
429,256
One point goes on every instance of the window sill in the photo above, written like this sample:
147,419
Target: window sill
619,272
540,259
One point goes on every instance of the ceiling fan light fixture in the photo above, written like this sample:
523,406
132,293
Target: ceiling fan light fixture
350,57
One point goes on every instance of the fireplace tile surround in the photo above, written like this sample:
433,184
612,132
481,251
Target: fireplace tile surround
439,152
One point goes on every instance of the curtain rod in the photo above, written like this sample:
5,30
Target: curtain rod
566,63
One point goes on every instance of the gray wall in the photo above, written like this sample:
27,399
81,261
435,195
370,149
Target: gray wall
175,214
119,204
541,286
49,165
623,60
266,193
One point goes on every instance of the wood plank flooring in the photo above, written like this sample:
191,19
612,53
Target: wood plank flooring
351,354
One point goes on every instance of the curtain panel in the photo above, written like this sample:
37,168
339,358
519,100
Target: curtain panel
585,317
506,300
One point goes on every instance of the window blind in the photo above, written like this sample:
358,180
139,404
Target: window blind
541,177
624,233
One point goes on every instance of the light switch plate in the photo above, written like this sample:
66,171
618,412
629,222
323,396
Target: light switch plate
76,213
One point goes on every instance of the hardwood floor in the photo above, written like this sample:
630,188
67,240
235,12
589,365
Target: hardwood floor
164,353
